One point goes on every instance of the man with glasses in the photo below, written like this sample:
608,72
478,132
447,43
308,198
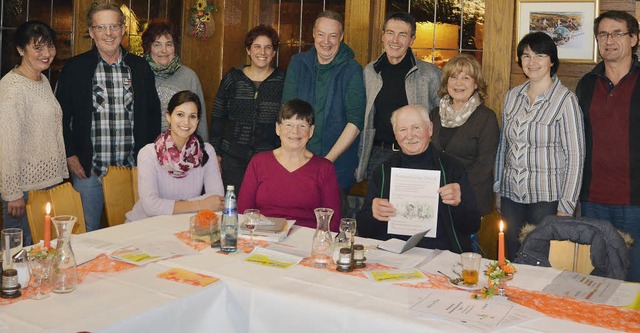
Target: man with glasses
110,108
397,78
609,96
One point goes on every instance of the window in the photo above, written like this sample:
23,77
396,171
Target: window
55,13
458,28
293,19
59,15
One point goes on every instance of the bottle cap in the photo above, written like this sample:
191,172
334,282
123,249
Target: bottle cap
230,187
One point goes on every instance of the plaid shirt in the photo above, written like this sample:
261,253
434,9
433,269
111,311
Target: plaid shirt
112,124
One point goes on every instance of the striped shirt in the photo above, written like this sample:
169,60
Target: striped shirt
541,151
112,123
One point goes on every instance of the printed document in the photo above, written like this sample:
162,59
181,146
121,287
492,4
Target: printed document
414,194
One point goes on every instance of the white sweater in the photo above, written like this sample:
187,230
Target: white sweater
32,154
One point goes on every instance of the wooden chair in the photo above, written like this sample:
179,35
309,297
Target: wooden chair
570,256
120,188
64,199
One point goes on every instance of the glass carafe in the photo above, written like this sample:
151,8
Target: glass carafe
64,269
322,245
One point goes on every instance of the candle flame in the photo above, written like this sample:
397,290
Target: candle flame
501,225
48,208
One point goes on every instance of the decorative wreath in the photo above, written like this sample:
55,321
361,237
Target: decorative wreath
202,20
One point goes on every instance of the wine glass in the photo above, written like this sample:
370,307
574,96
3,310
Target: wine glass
251,221
40,267
348,226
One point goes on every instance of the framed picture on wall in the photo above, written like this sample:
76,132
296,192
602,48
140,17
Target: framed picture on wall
568,22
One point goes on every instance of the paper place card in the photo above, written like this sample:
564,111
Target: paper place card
266,257
397,275
136,256
188,277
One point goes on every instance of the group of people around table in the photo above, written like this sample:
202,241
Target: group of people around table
291,143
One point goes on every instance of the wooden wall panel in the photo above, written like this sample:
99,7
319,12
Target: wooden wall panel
204,56
357,29
497,53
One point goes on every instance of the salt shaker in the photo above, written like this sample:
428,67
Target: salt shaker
22,267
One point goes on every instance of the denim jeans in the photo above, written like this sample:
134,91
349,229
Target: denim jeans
90,190
625,218
516,215
21,222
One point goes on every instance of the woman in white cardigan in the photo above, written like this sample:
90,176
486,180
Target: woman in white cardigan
32,153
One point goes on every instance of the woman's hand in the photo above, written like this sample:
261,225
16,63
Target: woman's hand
451,194
16,208
214,203
382,209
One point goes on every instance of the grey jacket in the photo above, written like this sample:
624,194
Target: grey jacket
421,84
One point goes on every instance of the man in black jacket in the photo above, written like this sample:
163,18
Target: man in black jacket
110,108
458,215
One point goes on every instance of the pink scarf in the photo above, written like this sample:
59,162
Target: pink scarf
177,162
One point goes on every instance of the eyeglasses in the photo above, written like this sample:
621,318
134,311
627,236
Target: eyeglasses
103,27
536,56
290,126
616,35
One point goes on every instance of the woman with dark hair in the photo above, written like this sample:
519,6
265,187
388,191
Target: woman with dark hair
160,41
465,128
32,152
290,181
538,170
246,107
178,167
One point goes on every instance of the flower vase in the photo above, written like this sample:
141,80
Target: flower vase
322,245
64,268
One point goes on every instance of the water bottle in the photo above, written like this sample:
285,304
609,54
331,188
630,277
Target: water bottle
229,225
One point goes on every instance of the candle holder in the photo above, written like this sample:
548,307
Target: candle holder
498,276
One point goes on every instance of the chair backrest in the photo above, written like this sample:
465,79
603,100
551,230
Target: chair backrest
64,199
120,188
570,256
608,252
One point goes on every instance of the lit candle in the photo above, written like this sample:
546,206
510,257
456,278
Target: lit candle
501,245
47,227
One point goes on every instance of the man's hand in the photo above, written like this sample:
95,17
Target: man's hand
382,209
76,167
16,208
450,194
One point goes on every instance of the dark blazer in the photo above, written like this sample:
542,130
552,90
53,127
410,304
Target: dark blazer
74,92
475,145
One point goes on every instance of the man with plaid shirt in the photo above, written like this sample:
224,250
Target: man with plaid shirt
110,108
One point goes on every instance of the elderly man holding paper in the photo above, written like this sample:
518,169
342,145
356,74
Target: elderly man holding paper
418,189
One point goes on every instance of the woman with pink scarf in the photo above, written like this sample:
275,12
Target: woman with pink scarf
178,173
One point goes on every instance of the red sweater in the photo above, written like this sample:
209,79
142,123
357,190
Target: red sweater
276,192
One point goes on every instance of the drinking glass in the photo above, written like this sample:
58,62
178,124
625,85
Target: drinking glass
11,244
251,221
470,267
348,226
40,267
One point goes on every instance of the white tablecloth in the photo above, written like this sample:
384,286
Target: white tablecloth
248,297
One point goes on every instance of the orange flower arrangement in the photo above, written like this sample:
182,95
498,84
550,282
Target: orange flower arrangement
495,273
204,216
